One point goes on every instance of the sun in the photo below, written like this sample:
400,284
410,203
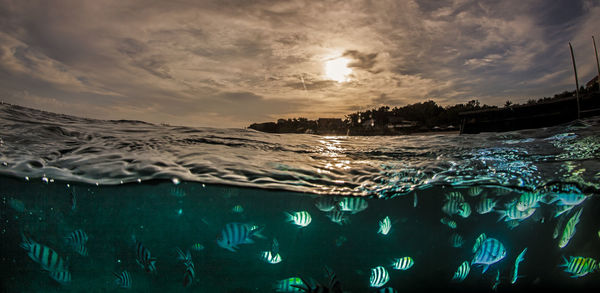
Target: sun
337,69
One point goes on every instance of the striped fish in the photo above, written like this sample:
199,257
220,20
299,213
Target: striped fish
519,259
309,285
478,242
452,208
287,285
529,200
234,234
49,259
77,240
403,263
185,258
301,218
144,258
512,213
465,211
188,276
385,225
461,272
490,252
123,280
326,203
485,205
353,204
63,277
579,266
448,222
237,209
379,276
77,237
569,230
272,258
197,247
475,191
338,217
456,240
454,196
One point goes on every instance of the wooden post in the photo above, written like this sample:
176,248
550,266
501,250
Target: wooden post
597,63
576,80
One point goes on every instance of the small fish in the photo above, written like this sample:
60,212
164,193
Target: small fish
456,240
490,252
452,208
462,272
301,218
326,203
234,234
448,222
353,204
478,241
272,258
579,266
465,210
177,191
80,249
186,258
570,229
123,280
570,199
475,191
188,276
197,247
238,209
77,237
384,226
485,205
529,200
49,259
63,277
403,263
144,258
287,285
512,213
519,259
338,217
379,276
455,196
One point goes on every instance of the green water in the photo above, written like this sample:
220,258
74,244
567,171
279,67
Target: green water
163,221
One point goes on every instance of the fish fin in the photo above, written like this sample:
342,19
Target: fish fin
289,216
485,268
256,232
249,241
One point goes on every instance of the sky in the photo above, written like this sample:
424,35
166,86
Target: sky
229,63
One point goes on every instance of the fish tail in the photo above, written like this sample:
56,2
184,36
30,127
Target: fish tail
256,232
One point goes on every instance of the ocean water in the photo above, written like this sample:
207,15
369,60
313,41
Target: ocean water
179,187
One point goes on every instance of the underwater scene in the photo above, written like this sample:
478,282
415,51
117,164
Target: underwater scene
127,206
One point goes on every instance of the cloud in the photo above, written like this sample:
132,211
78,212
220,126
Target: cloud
213,63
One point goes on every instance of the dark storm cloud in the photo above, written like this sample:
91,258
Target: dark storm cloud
231,62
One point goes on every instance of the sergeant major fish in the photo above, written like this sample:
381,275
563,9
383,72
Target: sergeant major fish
379,276
490,252
301,218
49,259
569,231
353,204
123,280
234,234
384,226
519,259
143,257
579,266
461,272
403,263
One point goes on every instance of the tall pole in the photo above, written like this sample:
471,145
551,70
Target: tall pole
597,63
576,80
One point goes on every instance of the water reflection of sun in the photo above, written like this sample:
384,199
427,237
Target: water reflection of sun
337,69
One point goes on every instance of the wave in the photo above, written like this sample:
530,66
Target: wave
38,144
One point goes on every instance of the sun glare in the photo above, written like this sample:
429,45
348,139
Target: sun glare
337,69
